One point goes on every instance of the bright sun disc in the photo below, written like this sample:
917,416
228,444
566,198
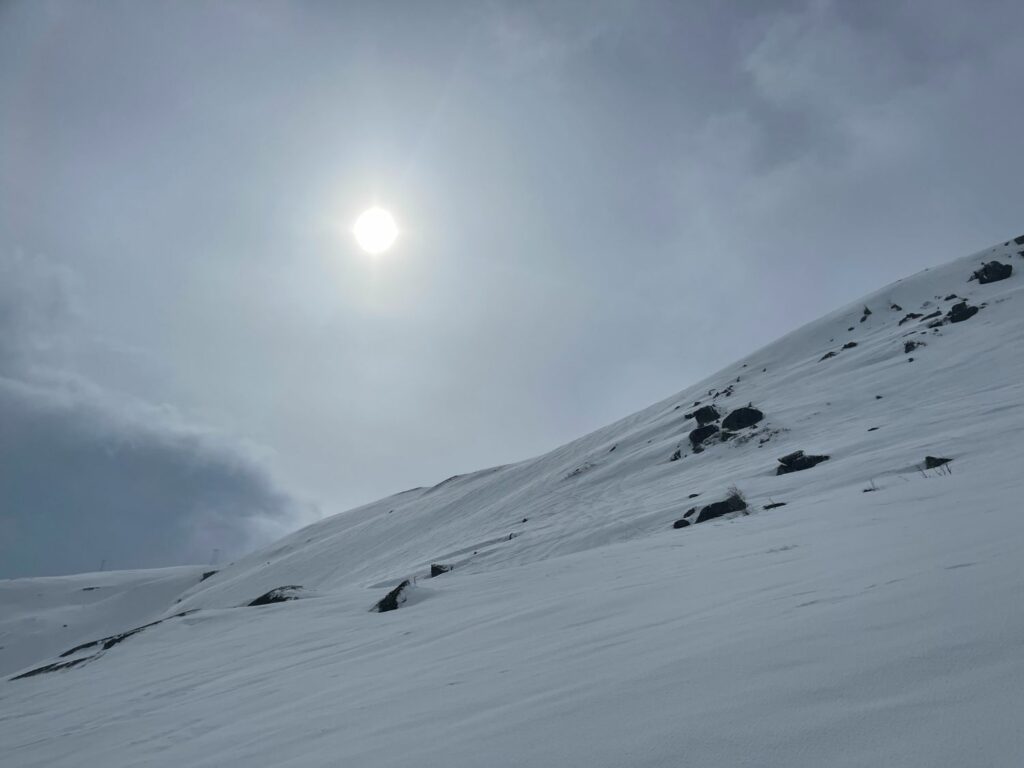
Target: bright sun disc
375,230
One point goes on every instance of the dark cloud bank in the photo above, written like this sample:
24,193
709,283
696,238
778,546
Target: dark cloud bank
88,475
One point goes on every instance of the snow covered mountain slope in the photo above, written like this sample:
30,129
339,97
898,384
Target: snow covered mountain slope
873,619
40,618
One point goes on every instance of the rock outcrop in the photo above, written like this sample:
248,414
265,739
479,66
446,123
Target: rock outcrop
798,461
277,595
741,418
992,272
393,599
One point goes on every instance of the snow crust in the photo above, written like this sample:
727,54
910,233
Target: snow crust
875,619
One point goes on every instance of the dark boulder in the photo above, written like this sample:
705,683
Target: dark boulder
393,599
797,462
850,345
992,272
1019,240
775,505
962,311
706,415
700,434
734,503
742,418
207,575
910,316
277,595
910,346
826,356
931,462
677,454
867,313
436,569
895,307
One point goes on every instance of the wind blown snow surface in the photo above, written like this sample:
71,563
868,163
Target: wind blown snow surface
874,619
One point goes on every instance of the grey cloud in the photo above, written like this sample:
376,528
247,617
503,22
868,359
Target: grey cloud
34,305
89,475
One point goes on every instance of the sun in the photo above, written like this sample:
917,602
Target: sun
375,230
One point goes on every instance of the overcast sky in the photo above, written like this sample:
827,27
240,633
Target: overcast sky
600,203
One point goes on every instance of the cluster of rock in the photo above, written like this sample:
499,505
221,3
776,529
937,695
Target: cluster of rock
706,418
956,314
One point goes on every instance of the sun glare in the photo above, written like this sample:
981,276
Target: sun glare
375,230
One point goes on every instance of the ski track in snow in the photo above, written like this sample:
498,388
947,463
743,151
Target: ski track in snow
846,628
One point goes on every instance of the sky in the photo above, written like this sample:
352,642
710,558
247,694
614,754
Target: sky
600,203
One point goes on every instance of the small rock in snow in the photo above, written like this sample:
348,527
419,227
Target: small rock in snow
706,415
277,595
797,462
393,599
700,434
962,311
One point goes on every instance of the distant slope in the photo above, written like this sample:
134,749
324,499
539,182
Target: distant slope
41,617
864,611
